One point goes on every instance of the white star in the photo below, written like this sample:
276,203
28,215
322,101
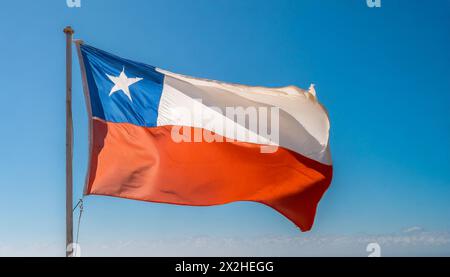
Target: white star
122,82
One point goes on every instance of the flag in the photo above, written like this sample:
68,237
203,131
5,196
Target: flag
163,137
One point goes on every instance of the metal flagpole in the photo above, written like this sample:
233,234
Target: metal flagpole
69,143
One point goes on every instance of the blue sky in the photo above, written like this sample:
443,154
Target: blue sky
383,75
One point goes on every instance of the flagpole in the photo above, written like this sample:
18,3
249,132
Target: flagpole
69,142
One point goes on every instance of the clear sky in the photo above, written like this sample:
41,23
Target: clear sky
382,73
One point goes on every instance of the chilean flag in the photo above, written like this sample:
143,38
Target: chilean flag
162,137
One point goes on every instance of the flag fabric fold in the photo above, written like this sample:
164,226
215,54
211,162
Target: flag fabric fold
162,137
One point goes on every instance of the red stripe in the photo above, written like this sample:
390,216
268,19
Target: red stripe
141,163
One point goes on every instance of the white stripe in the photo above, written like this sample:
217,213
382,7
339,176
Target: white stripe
176,108
304,124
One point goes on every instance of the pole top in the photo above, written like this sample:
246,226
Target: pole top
69,30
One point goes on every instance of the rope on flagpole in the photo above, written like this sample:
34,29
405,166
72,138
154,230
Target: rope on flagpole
80,201
81,207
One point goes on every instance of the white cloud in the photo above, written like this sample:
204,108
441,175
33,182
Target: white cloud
410,242
413,229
